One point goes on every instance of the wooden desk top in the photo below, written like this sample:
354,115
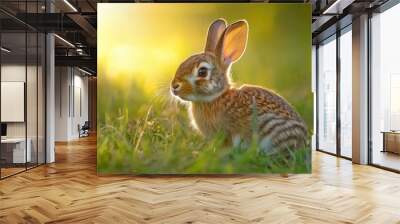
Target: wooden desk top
391,132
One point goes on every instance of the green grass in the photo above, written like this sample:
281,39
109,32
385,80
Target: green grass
161,141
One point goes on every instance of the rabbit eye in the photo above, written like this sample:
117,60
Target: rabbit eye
202,72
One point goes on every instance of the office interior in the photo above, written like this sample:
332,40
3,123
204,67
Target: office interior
48,100
334,74
44,87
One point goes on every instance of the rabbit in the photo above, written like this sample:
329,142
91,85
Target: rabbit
204,80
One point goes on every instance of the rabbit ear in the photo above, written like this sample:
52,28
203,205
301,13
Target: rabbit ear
233,43
215,32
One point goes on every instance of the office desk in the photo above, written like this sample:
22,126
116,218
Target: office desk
13,150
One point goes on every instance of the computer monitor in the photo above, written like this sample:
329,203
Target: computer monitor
3,129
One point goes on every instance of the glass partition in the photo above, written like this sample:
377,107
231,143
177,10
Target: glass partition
327,95
23,91
346,93
14,153
385,89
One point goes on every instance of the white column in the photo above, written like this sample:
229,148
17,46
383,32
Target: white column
50,100
50,92
360,90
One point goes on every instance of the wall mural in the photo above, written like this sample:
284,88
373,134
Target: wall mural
204,88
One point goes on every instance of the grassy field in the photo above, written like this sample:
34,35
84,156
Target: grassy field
152,140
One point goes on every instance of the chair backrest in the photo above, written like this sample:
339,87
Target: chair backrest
86,124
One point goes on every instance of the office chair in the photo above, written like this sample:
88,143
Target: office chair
84,130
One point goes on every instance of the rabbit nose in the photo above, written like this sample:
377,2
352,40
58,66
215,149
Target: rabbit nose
176,86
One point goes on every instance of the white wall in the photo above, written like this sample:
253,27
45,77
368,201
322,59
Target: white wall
80,109
71,102
62,82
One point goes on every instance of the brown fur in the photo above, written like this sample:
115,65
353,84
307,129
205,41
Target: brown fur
217,106
233,111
